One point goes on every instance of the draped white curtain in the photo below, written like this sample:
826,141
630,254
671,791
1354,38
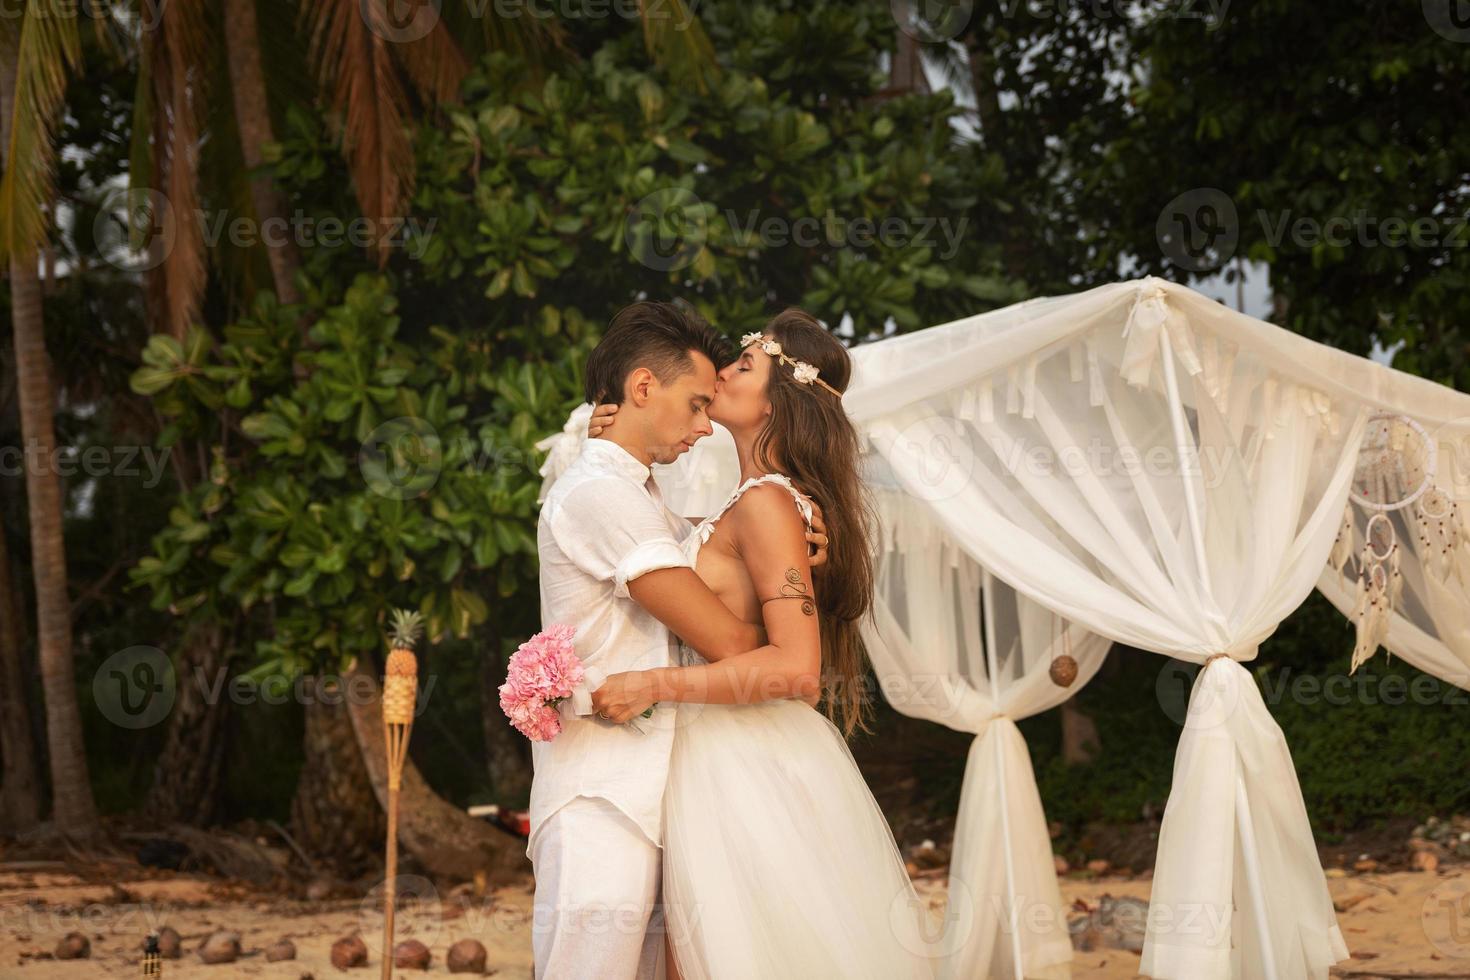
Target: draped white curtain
952,644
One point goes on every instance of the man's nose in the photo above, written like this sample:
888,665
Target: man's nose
704,427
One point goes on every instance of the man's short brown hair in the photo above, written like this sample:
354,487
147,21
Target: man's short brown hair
657,336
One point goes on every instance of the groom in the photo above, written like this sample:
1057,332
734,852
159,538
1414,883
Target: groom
608,546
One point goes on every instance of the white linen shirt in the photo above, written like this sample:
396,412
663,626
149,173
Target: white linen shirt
604,523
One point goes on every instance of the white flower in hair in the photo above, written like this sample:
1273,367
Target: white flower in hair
804,372
771,347
750,338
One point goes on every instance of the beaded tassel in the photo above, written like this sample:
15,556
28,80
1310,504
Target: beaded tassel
1440,533
1380,585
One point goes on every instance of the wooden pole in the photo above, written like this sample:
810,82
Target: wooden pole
400,691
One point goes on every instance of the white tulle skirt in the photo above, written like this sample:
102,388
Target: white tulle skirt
777,860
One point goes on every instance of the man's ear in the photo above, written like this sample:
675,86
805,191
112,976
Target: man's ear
640,385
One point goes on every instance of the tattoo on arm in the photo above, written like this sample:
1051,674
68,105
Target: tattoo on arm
795,588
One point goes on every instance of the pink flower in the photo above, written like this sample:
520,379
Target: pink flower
542,671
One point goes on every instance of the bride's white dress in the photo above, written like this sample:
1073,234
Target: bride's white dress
777,860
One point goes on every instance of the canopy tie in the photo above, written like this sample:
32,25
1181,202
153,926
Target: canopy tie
1149,317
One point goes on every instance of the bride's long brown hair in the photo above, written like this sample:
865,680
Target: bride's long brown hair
810,439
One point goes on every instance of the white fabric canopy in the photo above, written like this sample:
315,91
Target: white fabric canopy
1183,515
1134,463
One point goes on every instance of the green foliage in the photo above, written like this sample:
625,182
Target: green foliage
607,184
386,475
1337,123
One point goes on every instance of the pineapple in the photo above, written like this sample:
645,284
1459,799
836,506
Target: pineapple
400,686
407,626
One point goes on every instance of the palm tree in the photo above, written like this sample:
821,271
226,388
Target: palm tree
370,72
20,790
37,49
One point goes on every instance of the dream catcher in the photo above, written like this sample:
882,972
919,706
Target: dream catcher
1393,482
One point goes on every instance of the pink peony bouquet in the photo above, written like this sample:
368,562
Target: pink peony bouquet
541,674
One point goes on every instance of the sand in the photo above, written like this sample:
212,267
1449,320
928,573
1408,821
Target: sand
1399,923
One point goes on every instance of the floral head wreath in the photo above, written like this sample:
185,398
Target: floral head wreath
803,372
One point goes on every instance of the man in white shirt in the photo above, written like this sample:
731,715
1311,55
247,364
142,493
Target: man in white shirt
597,792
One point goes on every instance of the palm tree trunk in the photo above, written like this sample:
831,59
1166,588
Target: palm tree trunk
20,789
252,112
72,808
507,754
906,74
334,814
186,777
1080,742
987,102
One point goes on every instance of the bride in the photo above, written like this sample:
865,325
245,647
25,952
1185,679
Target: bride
777,860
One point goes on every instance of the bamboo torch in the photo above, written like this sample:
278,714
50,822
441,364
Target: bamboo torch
400,691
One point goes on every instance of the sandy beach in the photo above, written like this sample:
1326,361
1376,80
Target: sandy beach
1397,924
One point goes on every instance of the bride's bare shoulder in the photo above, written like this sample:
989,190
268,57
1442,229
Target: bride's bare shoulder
771,507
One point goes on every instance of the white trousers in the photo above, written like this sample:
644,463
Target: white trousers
597,912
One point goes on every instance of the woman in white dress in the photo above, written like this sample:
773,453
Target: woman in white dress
777,860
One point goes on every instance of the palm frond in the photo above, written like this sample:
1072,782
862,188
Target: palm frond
538,41
356,70
140,143
953,63
435,64
113,38
47,48
675,39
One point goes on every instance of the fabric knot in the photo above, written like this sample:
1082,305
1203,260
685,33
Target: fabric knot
1238,654
1150,316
